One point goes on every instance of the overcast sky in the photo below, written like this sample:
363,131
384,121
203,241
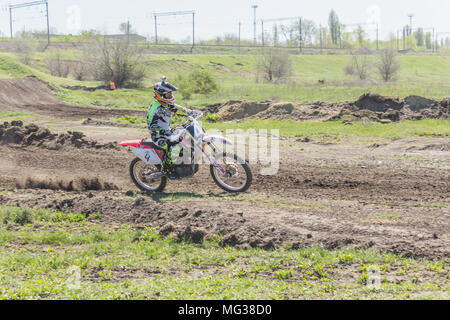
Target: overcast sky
218,17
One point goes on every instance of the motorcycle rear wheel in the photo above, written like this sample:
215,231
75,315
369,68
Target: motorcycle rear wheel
139,169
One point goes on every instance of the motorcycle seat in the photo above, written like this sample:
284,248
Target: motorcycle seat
151,144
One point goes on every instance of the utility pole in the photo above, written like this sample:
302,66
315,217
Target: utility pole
128,31
239,37
29,4
404,38
410,25
398,40
48,23
156,29
10,21
434,44
262,32
321,42
193,31
377,39
254,23
300,38
175,13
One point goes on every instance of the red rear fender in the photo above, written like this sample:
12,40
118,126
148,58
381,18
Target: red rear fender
131,143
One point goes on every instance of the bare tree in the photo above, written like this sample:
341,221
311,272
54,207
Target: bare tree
116,61
388,64
359,65
56,64
80,71
25,46
274,64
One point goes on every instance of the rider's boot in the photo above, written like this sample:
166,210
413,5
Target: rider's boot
167,167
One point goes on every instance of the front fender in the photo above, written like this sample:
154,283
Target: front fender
218,139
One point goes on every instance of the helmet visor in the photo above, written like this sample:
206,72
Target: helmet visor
167,95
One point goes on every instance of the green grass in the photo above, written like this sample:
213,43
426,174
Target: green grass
339,129
42,253
15,115
420,75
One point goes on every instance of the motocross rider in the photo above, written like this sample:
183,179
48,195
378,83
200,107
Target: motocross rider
158,121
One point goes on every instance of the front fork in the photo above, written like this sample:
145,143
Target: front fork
212,159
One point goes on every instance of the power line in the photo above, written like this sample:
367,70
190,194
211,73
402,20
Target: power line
175,13
24,5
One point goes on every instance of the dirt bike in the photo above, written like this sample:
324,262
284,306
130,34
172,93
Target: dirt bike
228,171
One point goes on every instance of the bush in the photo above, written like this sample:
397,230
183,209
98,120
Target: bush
203,82
24,47
199,81
20,216
80,71
56,65
116,61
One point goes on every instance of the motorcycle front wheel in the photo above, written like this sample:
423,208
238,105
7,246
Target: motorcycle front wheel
238,177
141,175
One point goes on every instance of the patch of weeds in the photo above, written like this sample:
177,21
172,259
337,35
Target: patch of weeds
105,275
438,266
241,273
284,274
126,119
319,271
211,117
345,258
20,216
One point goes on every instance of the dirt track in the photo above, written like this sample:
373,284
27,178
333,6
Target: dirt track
392,196
327,195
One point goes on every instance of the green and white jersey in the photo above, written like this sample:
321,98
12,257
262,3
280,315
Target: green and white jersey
158,117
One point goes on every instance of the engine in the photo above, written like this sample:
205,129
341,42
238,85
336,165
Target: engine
186,170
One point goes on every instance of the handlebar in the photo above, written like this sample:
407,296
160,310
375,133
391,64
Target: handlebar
197,117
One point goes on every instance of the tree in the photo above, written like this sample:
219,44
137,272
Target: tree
308,31
126,28
274,64
275,36
428,42
116,61
358,65
56,64
25,46
335,27
360,35
420,37
388,64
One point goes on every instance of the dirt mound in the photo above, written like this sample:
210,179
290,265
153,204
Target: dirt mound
33,95
417,103
78,184
369,106
378,103
32,135
239,110
26,91
236,110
